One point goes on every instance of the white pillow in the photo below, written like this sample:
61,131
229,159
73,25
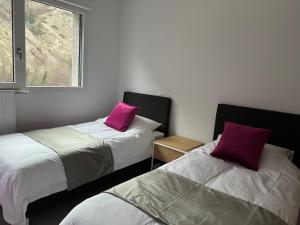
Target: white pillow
140,121
283,151
102,120
268,147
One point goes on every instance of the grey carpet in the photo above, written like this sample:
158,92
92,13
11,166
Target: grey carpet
52,216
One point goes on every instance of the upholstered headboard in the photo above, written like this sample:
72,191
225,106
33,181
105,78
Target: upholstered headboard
153,107
285,126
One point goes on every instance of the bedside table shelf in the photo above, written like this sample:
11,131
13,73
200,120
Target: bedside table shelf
170,148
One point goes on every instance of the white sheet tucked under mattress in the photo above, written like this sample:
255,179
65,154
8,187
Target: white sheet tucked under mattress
30,170
275,187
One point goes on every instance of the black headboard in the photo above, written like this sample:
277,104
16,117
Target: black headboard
153,107
285,126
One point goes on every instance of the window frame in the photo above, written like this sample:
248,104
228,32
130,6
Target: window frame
19,42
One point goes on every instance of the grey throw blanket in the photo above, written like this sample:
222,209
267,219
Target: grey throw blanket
176,200
85,158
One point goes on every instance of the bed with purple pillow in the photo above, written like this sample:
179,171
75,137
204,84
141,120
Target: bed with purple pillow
249,174
54,164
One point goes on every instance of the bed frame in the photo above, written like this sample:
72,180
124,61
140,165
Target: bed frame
153,107
285,126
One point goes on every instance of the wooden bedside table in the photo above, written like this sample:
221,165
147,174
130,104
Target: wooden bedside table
170,148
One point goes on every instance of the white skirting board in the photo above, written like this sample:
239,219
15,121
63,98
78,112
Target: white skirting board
7,112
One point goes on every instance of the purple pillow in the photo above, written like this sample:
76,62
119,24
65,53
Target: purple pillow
242,144
121,117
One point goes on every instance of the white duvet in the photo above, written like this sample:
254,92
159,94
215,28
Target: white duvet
275,187
30,170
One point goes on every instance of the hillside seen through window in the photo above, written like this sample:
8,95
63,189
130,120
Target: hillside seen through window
52,45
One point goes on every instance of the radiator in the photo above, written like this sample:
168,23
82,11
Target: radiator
7,112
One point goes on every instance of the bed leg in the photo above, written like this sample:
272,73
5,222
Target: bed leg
152,157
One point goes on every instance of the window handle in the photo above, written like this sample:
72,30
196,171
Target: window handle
19,53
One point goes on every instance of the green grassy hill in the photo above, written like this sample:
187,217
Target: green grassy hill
5,42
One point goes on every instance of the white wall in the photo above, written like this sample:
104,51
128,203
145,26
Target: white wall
202,53
48,107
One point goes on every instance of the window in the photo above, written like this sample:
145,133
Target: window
52,45
6,42
45,50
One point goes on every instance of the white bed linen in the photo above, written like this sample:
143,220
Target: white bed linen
276,187
30,170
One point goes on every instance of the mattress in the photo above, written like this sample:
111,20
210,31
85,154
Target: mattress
30,170
275,187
